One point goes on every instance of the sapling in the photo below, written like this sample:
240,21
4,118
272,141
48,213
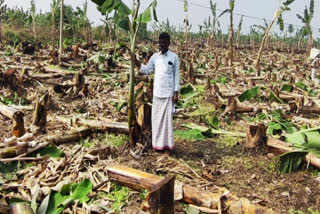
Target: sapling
131,25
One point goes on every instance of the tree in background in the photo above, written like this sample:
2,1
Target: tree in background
210,27
230,39
239,31
186,20
3,15
54,10
284,6
33,16
290,29
213,8
164,26
131,25
61,31
306,20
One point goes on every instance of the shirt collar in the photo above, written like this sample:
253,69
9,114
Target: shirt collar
165,54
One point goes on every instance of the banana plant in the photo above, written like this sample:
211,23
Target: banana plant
210,27
239,31
131,24
61,30
306,20
108,26
230,39
213,8
54,10
284,6
290,29
3,9
33,15
164,26
186,20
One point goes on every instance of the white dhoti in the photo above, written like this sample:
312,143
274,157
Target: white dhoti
162,123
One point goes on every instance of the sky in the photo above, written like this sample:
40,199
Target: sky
199,10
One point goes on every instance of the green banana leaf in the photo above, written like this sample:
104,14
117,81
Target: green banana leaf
249,94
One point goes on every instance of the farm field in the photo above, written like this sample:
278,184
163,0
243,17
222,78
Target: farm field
246,124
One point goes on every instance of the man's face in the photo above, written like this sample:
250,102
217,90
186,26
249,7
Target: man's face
164,45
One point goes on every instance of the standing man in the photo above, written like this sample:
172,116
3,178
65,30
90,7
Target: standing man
166,85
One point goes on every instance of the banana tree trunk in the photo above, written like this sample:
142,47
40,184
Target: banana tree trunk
231,40
186,30
110,33
0,32
238,39
266,34
34,28
310,41
53,28
213,39
61,32
131,110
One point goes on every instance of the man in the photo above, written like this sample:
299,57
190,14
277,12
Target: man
166,85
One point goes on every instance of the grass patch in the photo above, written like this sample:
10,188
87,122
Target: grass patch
310,211
87,143
119,196
13,99
8,171
115,140
143,194
227,141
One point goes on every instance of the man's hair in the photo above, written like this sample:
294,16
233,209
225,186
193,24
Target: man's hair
165,36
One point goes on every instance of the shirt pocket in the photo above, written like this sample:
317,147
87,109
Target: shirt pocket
169,68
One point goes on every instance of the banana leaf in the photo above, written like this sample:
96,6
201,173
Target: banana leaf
287,88
307,138
306,141
192,135
291,161
249,94
203,129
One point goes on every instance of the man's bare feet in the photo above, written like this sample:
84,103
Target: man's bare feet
167,153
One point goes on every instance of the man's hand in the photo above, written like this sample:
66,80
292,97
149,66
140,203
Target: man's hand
175,97
137,62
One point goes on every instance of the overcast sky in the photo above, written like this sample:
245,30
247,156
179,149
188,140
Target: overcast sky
174,11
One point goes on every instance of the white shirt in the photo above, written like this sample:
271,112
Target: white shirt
166,76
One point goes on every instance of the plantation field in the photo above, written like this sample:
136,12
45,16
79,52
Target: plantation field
75,112
210,137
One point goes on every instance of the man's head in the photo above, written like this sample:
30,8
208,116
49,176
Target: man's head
164,42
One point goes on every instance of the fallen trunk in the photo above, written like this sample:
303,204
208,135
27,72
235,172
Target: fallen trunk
204,200
160,199
245,206
103,124
132,178
50,75
200,198
13,151
72,136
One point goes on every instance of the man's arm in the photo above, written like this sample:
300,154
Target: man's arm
176,81
145,69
